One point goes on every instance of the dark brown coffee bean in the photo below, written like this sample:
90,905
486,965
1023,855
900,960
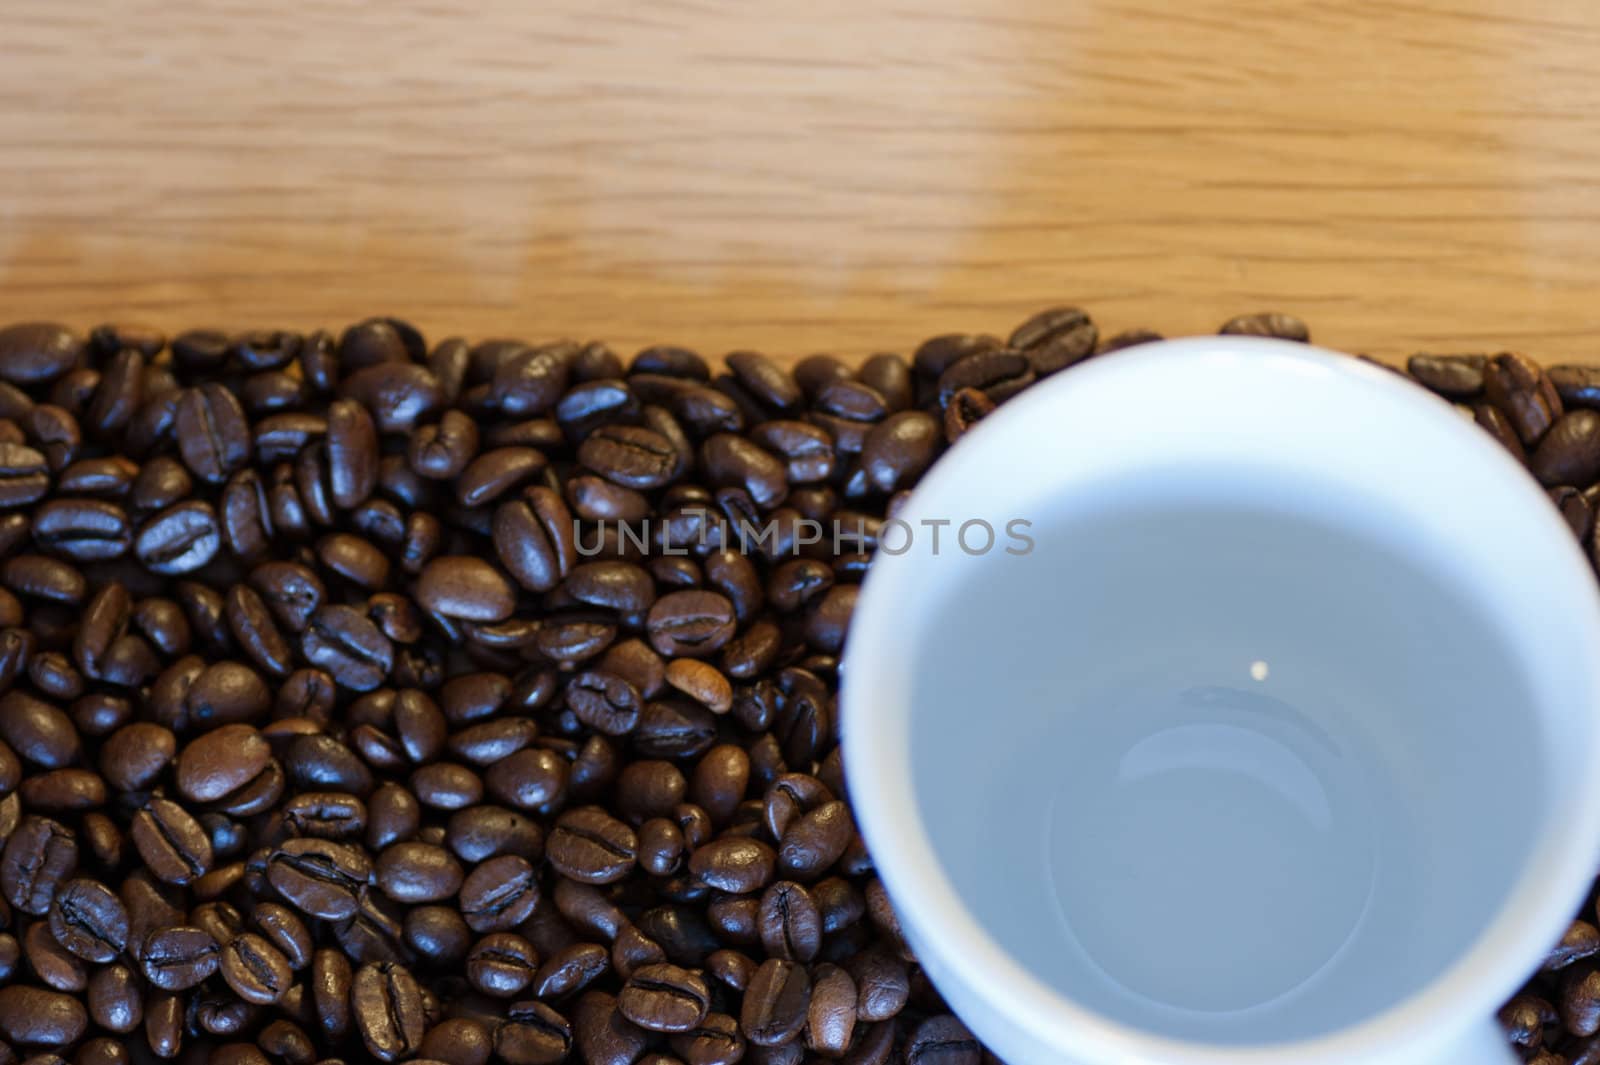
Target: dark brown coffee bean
171,842
487,743
255,969
534,1034
291,591
180,539
319,877
418,872
326,815
1267,324
213,434
465,587
178,958
114,1001
592,847
775,1003
605,702
831,1016
1452,376
34,1016
674,728
898,450
38,731
387,1006
942,1040
664,998
1580,941
502,965
630,456
883,982
482,832
24,475
602,1035
492,474
1054,339
499,894
55,966
89,920
284,931
527,779
349,646
446,786
221,762
1516,386
790,925
736,461
693,624
1569,454
998,373
733,864
39,856
967,406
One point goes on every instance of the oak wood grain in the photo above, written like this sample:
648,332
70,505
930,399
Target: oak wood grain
834,175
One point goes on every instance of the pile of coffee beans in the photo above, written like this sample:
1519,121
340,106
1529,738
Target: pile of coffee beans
362,699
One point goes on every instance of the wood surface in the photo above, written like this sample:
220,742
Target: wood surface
835,175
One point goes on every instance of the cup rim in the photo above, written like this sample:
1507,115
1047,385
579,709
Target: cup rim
1535,912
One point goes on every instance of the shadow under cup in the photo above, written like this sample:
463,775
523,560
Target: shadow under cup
1223,771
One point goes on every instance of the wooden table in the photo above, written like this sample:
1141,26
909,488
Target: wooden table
834,175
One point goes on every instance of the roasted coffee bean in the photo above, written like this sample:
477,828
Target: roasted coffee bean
255,969
445,786
527,779
674,728
38,731
534,1034
1455,377
349,646
789,922
171,842
213,434
114,1000
89,920
630,456
1054,339
775,1003
414,872
1569,454
84,530
482,832
55,966
502,965
605,702
831,1016
286,932
693,624
24,475
36,1017
942,1040
39,856
465,587
386,1005
180,539
319,877
1519,389
499,894
664,998
737,865
592,847
1267,324
602,1035
898,450
178,958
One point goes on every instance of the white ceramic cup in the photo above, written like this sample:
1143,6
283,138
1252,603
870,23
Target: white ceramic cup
1409,807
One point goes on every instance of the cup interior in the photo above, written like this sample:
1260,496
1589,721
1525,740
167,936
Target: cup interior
1275,731
1223,771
